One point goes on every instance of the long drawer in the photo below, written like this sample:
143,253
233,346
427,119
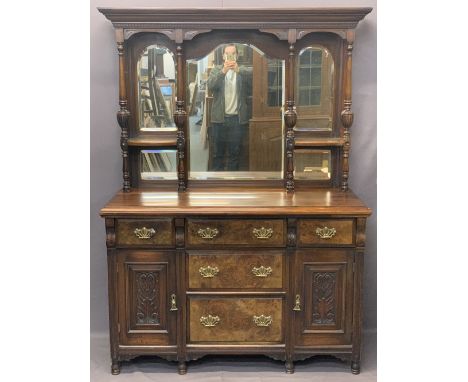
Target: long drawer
235,319
236,232
235,270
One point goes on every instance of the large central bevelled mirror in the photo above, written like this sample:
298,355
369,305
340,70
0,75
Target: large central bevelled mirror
235,104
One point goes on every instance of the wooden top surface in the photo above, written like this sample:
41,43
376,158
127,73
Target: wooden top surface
235,202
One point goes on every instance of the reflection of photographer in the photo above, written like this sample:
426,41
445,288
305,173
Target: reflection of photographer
230,85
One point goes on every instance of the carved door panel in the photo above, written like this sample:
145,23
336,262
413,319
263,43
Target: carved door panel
323,297
147,298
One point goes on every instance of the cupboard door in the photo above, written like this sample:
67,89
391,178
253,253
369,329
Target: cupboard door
147,307
324,295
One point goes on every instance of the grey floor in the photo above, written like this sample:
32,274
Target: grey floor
229,369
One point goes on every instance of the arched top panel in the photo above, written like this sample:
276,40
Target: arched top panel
203,44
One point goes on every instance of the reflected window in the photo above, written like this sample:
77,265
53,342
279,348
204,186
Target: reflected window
315,89
275,82
235,96
310,77
312,164
158,164
156,89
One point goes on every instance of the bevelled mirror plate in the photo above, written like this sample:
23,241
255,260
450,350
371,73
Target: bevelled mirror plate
312,164
156,74
315,89
158,164
235,99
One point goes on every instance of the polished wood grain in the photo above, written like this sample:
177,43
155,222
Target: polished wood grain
236,232
236,202
307,234
163,236
236,322
235,269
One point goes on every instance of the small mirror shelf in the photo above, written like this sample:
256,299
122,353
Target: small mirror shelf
158,164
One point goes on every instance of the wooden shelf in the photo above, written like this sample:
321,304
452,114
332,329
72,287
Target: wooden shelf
318,142
152,142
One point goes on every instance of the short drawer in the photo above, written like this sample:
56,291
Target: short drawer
236,232
235,319
145,232
230,270
325,232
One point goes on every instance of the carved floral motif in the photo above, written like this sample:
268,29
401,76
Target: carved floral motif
147,298
323,298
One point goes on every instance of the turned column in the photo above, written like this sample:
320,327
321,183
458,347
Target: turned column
180,115
290,116
123,114
347,115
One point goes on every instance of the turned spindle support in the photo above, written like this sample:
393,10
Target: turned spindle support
123,115
347,115
180,117
290,116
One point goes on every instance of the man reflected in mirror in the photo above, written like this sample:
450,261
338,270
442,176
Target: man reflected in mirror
230,85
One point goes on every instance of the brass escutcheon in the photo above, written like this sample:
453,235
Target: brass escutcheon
297,307
207,233
262,233
208,271
209,320
325,232
144,233
262,320
173,302
262,271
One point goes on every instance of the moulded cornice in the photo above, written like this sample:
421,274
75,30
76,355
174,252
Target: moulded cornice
235,18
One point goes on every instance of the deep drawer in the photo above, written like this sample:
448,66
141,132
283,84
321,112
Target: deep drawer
235,319
145,232
234,270
236,232
325,232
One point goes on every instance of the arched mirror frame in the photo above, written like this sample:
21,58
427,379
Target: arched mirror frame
205,43
146,140
198,47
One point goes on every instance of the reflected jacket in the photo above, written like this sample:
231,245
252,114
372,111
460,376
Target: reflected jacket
243,87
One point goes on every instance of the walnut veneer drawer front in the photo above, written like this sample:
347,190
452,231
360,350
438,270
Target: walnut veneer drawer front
236,232
230,271
234,319
325,231
145,232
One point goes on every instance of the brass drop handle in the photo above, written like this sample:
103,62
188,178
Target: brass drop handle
262,320
262,233
297,307
144,233
208,233
173,302
262,271
325,232
209,321
208,271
